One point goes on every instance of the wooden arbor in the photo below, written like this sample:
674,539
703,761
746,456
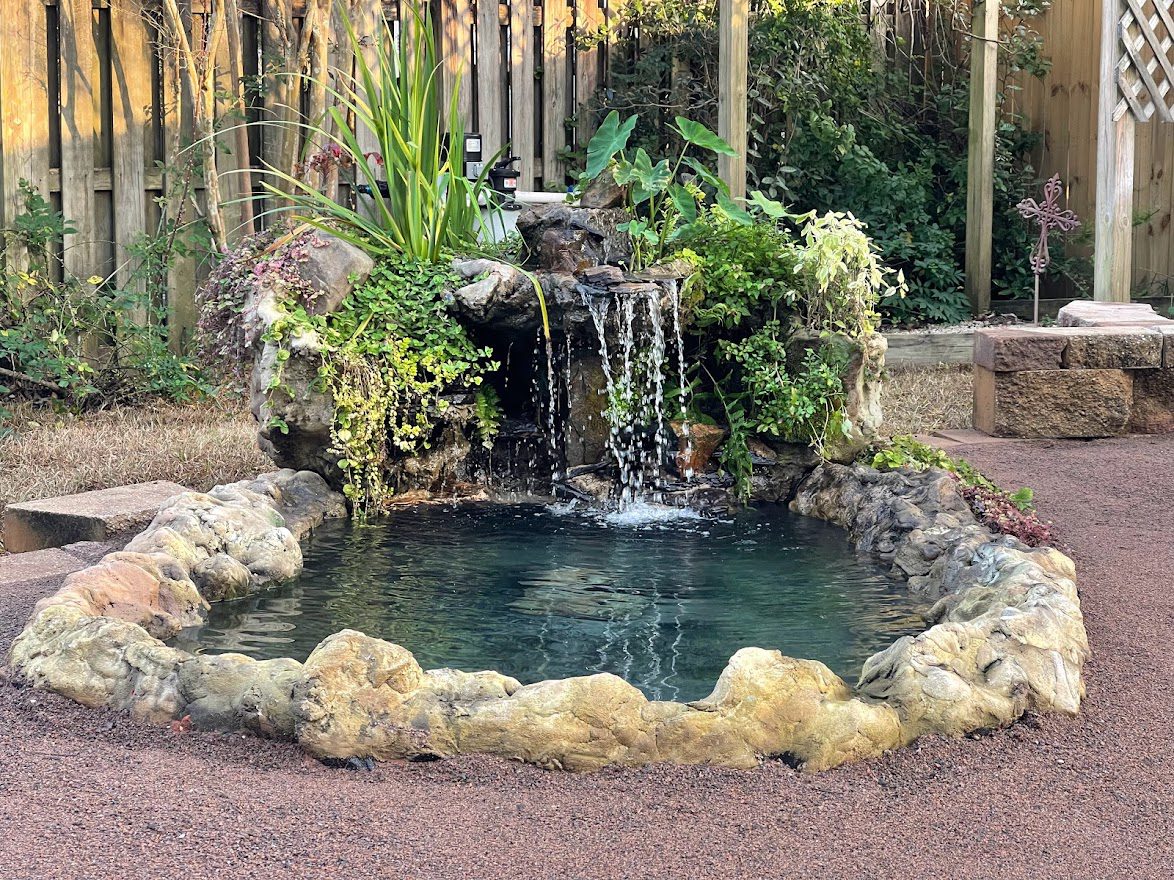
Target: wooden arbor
1136,81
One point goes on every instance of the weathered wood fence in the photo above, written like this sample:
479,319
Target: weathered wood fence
94,105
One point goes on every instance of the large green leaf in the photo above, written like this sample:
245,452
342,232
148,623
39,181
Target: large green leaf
610,138
684,202
697,134
732,210
650,179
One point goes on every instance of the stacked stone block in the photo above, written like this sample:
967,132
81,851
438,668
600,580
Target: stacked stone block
1107,369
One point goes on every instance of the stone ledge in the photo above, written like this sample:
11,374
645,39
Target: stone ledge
1052,403
1086,313
89,516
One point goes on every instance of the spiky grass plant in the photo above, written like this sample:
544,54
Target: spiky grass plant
393,101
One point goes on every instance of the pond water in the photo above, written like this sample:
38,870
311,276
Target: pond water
659,598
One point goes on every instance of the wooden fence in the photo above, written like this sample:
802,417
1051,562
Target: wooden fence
92,104
93,107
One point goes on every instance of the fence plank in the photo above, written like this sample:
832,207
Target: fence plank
24,110
522,114
77,133
589,55
130,75
556,73
490,93
456,54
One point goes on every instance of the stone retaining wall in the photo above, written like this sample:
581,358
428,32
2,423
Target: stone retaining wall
1007,637
1108,369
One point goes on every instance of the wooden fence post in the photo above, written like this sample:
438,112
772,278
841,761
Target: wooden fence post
733,28
1113,245
980,163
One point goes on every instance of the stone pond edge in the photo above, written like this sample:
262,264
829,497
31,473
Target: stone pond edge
1007,637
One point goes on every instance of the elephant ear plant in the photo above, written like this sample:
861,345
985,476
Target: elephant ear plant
668,200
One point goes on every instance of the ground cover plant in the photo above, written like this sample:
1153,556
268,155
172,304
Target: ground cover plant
1009,513
85,342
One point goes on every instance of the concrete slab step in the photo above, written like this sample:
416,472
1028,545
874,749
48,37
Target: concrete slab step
89,516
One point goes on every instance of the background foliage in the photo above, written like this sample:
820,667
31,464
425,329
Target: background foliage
833,128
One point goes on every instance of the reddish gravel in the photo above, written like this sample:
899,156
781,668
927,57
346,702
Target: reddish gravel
90,794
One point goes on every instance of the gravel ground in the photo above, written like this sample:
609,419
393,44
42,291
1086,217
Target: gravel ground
91,794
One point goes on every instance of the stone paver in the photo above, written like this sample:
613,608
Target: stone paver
89,516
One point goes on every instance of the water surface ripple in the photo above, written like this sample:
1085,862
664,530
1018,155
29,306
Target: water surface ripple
538,593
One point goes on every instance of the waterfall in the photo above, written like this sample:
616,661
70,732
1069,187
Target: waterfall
629,321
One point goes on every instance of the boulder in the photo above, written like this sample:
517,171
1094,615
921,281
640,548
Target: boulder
235,692
862,379
565,239
346,703
603,192
696,444
587,424
332,268
497,295
779,470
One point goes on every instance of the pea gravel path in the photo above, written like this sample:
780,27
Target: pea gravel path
90,794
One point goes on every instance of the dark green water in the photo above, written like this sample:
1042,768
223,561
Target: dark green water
537,594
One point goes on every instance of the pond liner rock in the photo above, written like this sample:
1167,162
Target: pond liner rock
1007,637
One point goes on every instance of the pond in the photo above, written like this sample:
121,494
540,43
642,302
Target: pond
661,598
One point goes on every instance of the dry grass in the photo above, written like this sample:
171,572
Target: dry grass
49,454
918,400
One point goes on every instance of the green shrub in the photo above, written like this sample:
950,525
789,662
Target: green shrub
84,342
389,356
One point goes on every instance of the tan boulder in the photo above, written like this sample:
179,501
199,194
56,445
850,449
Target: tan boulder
347,702
100,661
232,691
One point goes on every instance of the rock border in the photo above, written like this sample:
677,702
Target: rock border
1007,637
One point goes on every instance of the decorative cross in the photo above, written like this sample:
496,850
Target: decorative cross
1049,216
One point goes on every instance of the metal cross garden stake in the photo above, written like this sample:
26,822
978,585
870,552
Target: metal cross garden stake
1049,216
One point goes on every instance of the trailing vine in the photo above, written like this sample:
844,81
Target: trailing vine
391,358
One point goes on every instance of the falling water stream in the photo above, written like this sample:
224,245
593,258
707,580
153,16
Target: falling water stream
634,363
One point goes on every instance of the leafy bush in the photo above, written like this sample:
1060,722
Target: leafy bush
83,342
754,287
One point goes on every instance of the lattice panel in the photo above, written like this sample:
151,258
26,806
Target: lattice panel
1145,68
